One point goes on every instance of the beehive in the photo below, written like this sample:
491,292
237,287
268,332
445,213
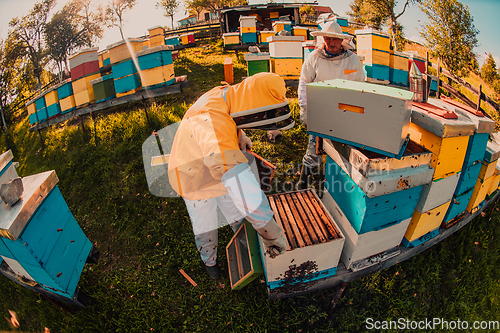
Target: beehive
172,40
32,116
300,31
41,109
263,35
156,36
398,73
423,224
125,77
231,38
308,47
282,25
314,241
103,87
288,69
67,104
257,62
154,57
374,45
360,246
496,180
40,239
88,55
119,51
286,56
187,39
83,91
248,29
361,114
374,200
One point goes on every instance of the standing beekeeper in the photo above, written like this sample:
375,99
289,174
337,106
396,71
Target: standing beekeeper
332,58
208,169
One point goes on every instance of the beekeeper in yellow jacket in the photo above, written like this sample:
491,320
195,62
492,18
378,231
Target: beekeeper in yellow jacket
332,58
208,168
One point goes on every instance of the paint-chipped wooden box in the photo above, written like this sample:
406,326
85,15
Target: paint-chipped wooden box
361,246
368,116
243,256
314,241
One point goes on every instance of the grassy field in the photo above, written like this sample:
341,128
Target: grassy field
145,240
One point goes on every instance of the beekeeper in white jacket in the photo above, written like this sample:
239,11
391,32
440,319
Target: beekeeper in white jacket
332,58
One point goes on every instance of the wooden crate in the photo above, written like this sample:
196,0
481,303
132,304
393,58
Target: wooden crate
362,246
231,38
285,46
119,51
365,115
83,56
372,39
314,241
368,213
288,68
379,183
423,223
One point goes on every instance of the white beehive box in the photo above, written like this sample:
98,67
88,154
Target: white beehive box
437,192
314,241
285,46
83,56
373,117
361,246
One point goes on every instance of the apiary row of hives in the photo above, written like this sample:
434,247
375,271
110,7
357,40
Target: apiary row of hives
121,69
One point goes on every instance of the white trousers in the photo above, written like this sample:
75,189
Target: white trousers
205,220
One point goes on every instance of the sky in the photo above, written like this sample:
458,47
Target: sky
145,15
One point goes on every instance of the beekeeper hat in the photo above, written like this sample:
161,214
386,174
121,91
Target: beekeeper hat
259,102
331,29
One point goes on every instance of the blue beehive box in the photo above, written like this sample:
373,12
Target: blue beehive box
127,83
123,68
65,89
106,62
41,241
375,71
53,110
155,57
249,38
173,40
398,77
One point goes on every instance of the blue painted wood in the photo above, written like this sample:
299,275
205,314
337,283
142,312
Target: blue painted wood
157,59
42,115
367,214
5,168
127,83
458,205
53,110
33,118
468,179
250,37
159,85
123,69
69,110
4,251
398,76
40,103
476,148
65,90
172,41
375,71
428,236
307,278
434,85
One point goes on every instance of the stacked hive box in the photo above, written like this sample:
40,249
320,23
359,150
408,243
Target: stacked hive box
263,35
173,40
248,30
476,148
274,16
52,102
156,36
257,62
84,68
308,47
40,240
231,38
282,25
486,176
32,116
41,110
365,115
187,39
66,96
156,65
104,88
373,197
398,71
126,78
446,134
286,56
104,58
314,241
496,180
300,31
374,45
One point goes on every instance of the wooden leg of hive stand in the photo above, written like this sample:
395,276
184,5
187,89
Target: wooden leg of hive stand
337,297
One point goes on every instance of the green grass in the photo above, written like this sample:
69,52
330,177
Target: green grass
145,240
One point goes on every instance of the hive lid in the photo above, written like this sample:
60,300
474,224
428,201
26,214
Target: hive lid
155,27
172,37
154,49
372,32
14,218
257,56
365,87
5,158
88,50
285,38
243,256
247,18
131,40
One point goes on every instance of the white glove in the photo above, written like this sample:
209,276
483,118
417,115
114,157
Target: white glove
244,141
303,115
273,239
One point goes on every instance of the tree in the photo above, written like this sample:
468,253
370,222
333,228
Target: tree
90,17
362,12
195,7
169,7
489,70
450,34
26,37
115,13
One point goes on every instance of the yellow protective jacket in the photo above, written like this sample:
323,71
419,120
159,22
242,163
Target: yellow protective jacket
206,143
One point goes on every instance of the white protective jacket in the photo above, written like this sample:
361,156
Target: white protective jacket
319,67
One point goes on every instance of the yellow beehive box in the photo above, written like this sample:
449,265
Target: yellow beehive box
257,17
156,41
51,97
423,223
448,153
282,25
372,39
157,75
496,180
300,31
31,109
231,38
287,68
264,34
156,31
479,193
246,30
83,90
399,60
487,169
274,15
375,57
120,51
67,103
